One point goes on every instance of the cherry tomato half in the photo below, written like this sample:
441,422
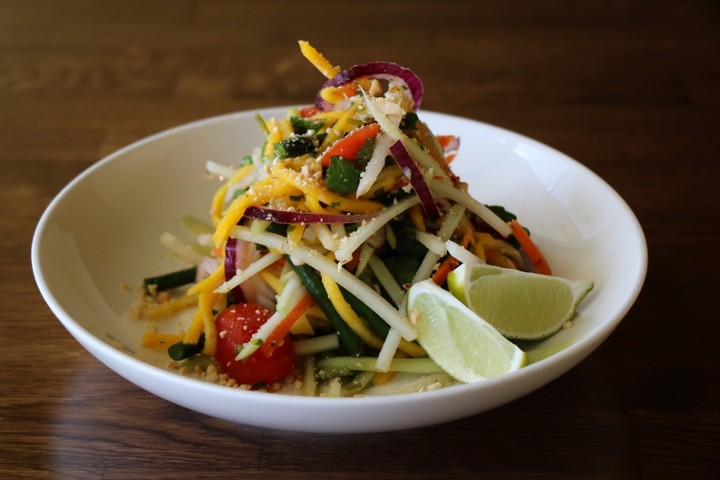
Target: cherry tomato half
235,326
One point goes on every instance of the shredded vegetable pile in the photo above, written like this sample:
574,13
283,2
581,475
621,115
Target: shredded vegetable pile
300,274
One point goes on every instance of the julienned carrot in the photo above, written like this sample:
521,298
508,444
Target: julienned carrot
449,264
446,140
277,335
533,252
349,146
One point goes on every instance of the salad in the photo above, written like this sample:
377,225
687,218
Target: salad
298,278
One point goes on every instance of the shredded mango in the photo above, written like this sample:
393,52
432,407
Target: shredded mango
279,130
272,280
206,302
218,200
209,283
216,206
313,204
259,194
411,348
241,173
479,250
295,233
417,217
314,189
348,314
318,60
329,116
343,125
302,327
192,336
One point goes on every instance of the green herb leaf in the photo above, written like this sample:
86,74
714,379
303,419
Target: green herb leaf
297,145
302,125
366,151
342,175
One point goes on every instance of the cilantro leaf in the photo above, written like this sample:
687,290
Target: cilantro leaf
302,125
366,151
342,177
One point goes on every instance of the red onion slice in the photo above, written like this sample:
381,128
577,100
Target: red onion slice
286,217
230,264
386,70
414,174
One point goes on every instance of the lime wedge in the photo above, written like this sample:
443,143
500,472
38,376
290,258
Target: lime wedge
520,305
460,342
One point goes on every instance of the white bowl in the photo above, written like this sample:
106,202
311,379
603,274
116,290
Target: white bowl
102,231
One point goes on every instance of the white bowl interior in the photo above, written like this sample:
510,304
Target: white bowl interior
101,233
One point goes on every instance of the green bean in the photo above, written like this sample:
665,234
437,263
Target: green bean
374,321
171,280
180,351
349,340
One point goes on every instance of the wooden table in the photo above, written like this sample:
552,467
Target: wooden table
629,88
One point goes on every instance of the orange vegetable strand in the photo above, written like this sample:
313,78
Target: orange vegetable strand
449,264
533,252
277,335
350,144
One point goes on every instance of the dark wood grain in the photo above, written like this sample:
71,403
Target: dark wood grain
630,88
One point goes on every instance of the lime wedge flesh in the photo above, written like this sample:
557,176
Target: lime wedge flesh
520,305
461,343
